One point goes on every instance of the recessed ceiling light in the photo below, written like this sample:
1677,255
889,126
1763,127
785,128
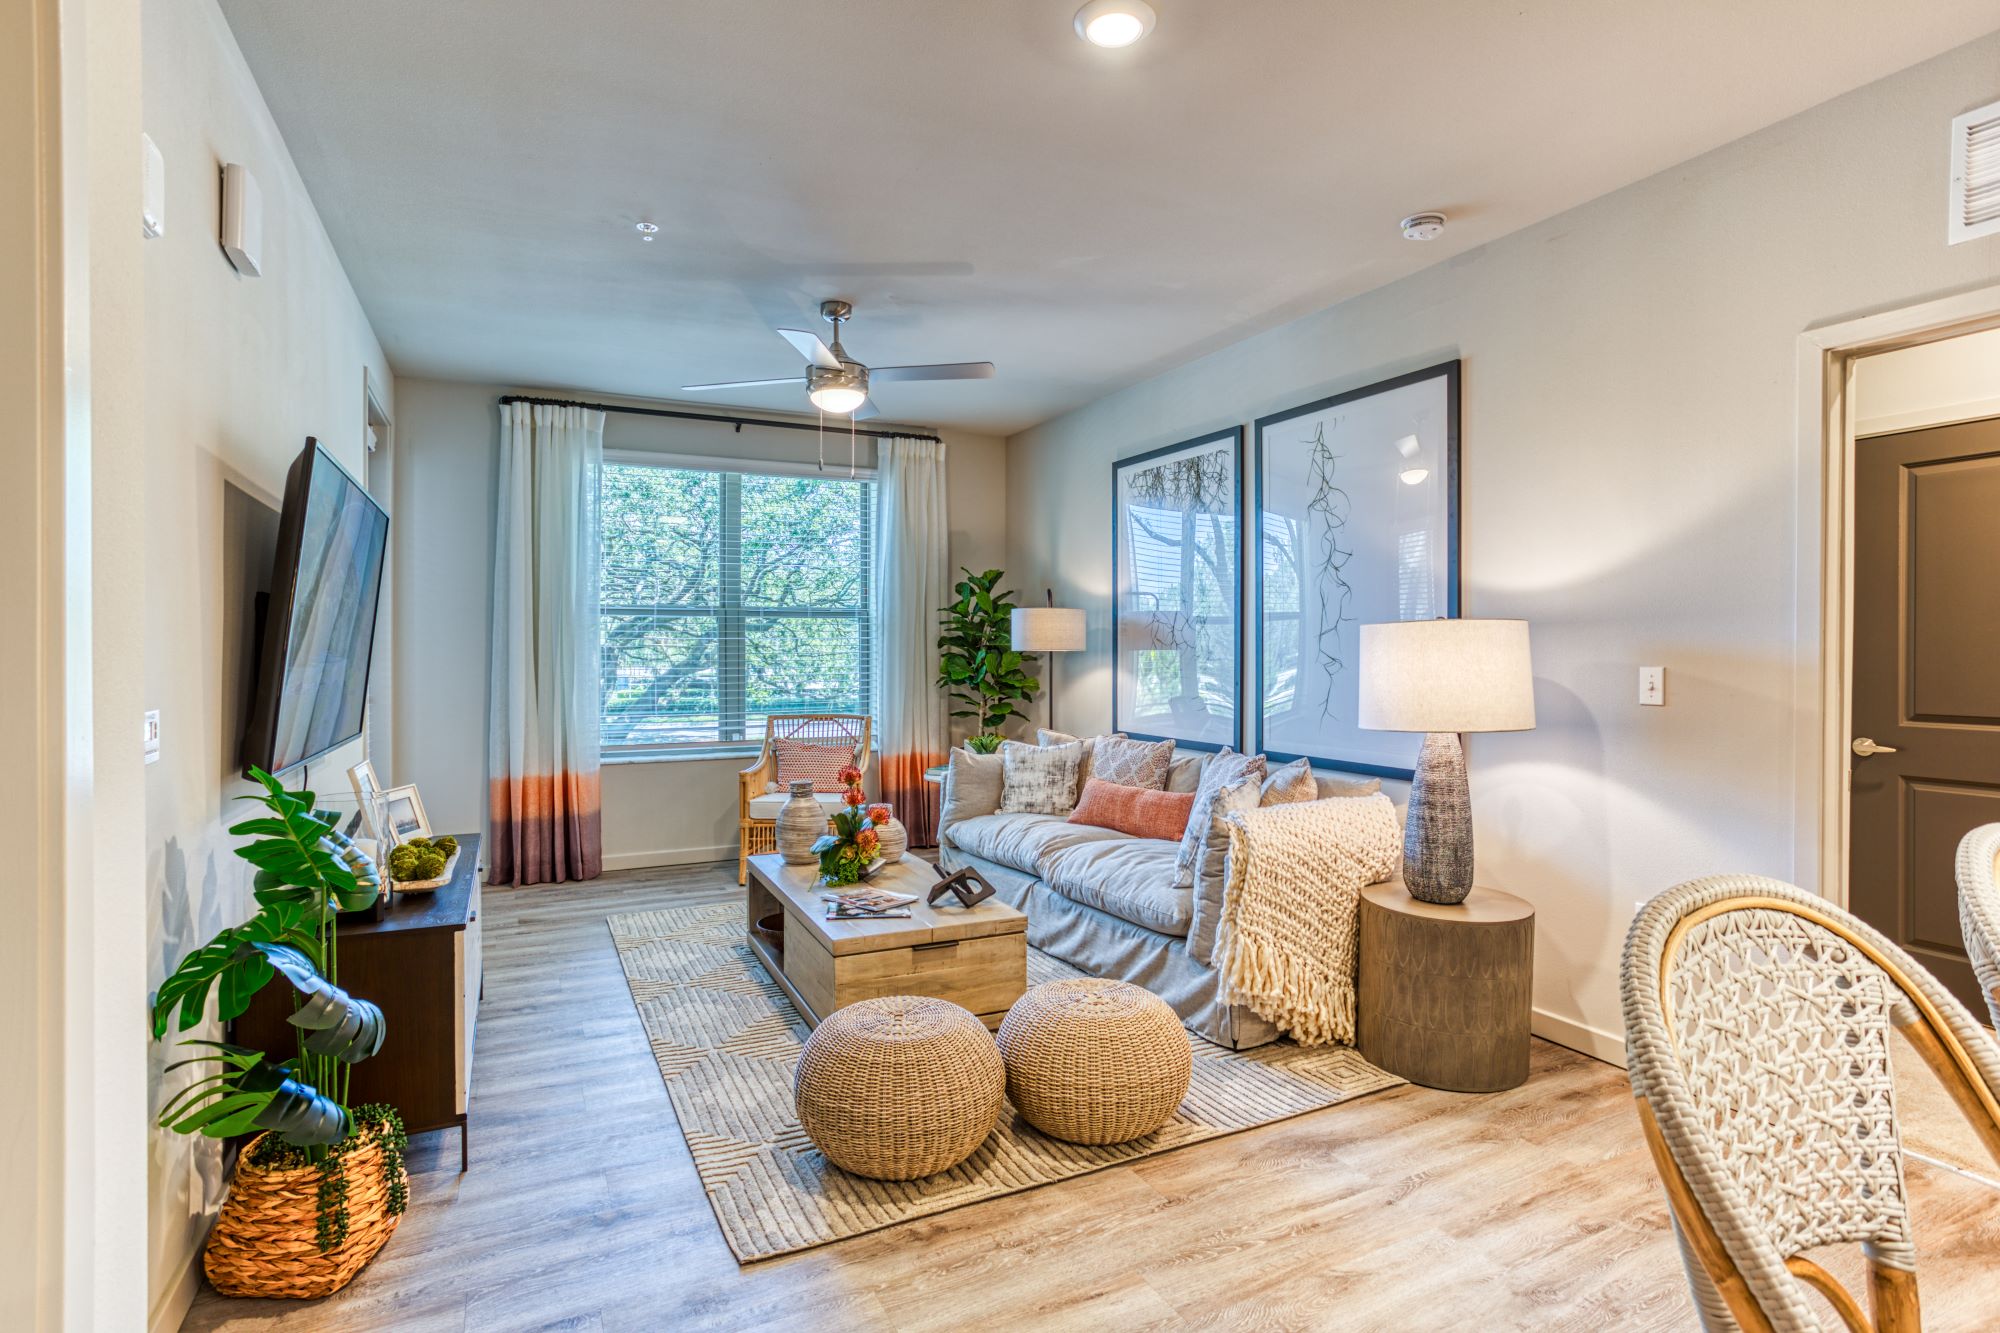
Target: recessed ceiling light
1114,23
648,230
1423,226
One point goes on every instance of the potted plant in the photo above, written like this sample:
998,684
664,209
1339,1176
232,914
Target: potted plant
976,658
320,1189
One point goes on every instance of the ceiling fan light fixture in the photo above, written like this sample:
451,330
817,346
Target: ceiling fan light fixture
1114,23
838,392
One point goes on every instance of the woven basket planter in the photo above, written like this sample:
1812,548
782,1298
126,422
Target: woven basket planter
264,1243
1095,1061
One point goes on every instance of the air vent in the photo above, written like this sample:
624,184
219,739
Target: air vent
1975,174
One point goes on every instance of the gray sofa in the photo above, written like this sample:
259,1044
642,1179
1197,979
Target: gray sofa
1107,903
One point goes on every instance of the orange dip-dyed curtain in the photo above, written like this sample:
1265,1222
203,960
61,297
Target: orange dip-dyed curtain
911,583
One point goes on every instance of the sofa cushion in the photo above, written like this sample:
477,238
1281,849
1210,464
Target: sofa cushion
1134,810
1184,774
1038,779
1290,783
1130,878
1219,772
1023,841
971,786
1211,864
1131,763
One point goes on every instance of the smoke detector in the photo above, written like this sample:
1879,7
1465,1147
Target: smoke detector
1423,226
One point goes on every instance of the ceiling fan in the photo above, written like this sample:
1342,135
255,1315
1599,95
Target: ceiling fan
837,383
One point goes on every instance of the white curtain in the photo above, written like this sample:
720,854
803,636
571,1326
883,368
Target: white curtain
543,811
912,580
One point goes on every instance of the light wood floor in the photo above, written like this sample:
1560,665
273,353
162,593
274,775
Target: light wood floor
1412,1209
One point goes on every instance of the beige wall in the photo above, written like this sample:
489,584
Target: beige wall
447,436
1629,484
1927,385
239,372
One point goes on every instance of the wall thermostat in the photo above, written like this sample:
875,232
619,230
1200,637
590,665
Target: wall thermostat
242,219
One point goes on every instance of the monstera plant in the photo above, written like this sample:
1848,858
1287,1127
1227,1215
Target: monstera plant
306,874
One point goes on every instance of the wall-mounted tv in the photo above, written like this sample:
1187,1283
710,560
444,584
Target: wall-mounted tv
319,630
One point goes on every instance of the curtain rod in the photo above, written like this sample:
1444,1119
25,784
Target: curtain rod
738,422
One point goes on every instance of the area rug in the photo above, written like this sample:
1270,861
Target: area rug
726,1039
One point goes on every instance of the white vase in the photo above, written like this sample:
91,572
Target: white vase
801,821
895,840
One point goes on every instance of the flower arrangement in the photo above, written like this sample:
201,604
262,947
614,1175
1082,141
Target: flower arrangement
846,853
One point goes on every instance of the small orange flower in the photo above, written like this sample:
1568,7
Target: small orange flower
850,775
878,814
854,797
867,840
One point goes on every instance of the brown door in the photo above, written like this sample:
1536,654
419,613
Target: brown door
1926,681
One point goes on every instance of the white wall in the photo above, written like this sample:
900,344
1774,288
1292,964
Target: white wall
1955,379
238,371
1629,485
447,437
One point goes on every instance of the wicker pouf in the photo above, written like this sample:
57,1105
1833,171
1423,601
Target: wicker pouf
1094,1061
899,1087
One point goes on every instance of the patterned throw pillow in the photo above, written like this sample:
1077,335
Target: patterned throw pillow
1131,763
1089,743
1222,770
1293,782
1211,861
802,761
1038,779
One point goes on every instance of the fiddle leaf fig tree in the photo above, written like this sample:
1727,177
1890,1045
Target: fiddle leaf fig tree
977,663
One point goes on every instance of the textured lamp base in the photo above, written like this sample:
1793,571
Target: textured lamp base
1437,834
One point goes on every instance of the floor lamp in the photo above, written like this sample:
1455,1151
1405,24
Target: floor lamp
1048,629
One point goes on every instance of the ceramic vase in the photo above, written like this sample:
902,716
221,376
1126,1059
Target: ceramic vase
800,821
895,840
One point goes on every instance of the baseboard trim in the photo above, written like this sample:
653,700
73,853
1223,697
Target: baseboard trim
1593,1042
178,1298
669,856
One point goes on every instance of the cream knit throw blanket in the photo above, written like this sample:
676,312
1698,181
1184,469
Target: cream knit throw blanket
1284,946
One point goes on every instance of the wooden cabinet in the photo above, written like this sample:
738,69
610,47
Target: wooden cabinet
421,964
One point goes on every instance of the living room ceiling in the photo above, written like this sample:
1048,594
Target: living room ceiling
979,182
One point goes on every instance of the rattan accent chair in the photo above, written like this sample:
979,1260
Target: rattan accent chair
1979,909
1757,1033
759,797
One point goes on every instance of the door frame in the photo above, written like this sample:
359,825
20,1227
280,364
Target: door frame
1823,637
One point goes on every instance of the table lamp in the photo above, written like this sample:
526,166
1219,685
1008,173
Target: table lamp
1444,677
1047,629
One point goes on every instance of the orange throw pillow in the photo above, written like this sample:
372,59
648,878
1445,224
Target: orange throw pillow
1141,812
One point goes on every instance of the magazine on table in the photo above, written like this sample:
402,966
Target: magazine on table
856,904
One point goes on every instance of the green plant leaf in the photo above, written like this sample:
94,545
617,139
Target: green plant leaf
254,1092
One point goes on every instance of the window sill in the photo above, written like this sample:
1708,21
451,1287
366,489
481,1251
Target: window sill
745,753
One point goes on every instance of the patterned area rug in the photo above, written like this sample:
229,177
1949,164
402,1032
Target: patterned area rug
726,1038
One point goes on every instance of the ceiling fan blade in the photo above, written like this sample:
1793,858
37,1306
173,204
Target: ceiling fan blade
811,348
867,411
952,370
742,384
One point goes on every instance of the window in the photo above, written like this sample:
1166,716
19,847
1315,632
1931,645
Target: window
728,596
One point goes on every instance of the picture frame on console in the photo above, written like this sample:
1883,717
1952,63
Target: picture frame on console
403,811
1357,522
1176,592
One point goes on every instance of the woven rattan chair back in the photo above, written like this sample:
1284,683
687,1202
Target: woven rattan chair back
849,733
845,731
1979,909
1757,1024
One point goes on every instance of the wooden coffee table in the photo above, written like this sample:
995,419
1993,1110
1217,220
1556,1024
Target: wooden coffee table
976,957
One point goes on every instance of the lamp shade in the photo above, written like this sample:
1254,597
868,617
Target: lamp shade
1446,675
1047,629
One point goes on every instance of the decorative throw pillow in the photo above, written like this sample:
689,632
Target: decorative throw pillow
971,786
1038,779
1211,862
1222,770
1132,763
1089,743
1134,810
1184,774
803,761
1293,782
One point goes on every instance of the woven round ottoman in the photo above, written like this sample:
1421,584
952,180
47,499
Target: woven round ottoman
1094,1061
899,1087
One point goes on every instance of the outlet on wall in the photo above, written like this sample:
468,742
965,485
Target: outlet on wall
1653,686
153,736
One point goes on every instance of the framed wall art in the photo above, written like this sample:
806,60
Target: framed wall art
1176,592
1357,523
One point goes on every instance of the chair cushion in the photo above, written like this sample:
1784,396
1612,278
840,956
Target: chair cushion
768,805
1038,779
1130,878
804,761
1023,841
1134,810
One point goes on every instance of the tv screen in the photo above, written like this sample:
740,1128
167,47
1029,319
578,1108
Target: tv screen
319,631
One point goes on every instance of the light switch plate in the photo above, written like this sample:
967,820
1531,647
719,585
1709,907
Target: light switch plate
1653,686
153,736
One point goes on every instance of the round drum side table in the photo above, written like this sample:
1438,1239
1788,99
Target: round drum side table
1442,993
